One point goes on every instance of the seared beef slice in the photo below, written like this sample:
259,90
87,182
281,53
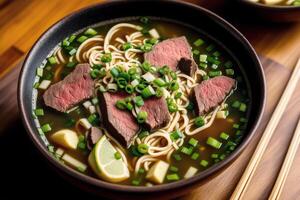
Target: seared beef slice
158,113
77,86
169,52
119,123
210,93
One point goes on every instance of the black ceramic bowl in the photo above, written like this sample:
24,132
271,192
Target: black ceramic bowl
272,13
207,22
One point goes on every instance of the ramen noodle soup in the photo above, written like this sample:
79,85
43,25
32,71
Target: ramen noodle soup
140,102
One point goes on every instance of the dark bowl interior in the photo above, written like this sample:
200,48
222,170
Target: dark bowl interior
205,21
273,13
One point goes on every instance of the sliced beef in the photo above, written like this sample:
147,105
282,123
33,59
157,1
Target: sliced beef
77,86
119,123
187,66
93,137
169,52
210,93
158,113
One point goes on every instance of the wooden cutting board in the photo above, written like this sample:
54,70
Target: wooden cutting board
24,163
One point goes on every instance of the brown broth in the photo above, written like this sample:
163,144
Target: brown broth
167,30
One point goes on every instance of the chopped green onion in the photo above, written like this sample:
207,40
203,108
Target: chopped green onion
173,75
203,65
121,82
228,64
152,41
121,104
195,156
143,134
129,89
203,58
90,32
196,52
95,73
243,107
52,60
39,112
146,47
213,143
143,148
50,148
214,155
243,120
214,73
142,117
173,168
222,157
198,42
126,46
82,38
148,77
95,101
172,107
174,85
172,177
177,157
210,47
132,71
39,72
71,64
106,58
159,92
141,171
164,70
199,121
193,142
178,95
36,85
81,145
146,66
175,135
114,72
46,128
236,104
236,126
117,155
140,87
72,38
93,119
186,150
72,52
229,72
216,54
214,66
135,182
159,82
204,163
138,100
148,92
213,60
205,77
224,136
65,43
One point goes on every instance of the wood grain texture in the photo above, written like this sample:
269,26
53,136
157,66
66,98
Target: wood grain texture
22,22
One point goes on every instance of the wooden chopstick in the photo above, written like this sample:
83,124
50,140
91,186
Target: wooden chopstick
284,171
266,137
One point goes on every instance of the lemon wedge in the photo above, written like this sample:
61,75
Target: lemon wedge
103,162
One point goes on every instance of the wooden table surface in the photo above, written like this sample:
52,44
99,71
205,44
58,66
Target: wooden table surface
23,21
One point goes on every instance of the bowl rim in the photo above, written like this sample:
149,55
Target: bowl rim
270,7
35,138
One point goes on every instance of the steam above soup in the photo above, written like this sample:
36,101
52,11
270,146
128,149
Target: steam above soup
141,103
